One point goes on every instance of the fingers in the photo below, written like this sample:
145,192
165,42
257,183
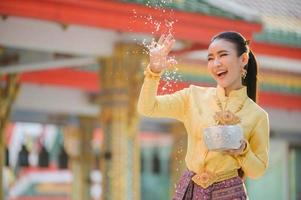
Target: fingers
243,141
169,37
166,40
233,151
159,51
229,151
161,39
169,45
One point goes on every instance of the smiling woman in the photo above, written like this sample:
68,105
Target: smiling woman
229,54
228,133
225,66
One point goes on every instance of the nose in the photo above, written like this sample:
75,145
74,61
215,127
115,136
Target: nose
216,62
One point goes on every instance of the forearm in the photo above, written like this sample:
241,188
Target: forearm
169,106
147,97
253,165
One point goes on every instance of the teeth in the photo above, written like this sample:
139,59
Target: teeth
219,73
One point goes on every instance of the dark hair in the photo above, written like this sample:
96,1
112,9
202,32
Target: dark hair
241,45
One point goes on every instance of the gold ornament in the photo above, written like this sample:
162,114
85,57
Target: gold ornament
247,42
244,73
205,178
226,117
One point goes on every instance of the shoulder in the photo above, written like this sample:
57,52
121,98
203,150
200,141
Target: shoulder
258,111
202,91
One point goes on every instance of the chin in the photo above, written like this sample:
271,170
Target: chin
223,84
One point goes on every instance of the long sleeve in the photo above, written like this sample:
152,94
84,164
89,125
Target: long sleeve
254,160
170,106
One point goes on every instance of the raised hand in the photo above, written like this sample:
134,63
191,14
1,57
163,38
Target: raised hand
158,53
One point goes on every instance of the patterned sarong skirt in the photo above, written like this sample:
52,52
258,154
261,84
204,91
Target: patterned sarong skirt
230,189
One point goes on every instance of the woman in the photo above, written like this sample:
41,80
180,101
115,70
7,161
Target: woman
213,174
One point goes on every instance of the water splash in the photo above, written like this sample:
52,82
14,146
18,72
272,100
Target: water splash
162,22
172,79
163,19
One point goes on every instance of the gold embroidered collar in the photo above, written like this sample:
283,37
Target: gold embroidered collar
232,104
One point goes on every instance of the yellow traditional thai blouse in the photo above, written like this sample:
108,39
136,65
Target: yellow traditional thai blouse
195,107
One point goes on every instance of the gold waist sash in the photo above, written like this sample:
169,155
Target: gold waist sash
207,178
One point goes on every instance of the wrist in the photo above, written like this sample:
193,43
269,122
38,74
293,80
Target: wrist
154,69
244,148
148,72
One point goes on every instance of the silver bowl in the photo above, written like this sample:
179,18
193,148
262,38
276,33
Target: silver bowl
223,137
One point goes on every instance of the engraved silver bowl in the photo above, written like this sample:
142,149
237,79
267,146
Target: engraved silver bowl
223,137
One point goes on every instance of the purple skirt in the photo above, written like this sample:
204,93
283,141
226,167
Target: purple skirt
230,189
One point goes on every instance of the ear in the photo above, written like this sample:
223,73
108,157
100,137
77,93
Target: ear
244,58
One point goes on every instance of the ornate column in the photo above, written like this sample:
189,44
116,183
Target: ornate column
178,152
121,78
9,87
77,142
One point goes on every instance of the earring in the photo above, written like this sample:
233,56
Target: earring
244,73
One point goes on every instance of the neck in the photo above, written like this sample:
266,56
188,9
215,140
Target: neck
229,89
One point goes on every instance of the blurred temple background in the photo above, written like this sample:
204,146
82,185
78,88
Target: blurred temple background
71,72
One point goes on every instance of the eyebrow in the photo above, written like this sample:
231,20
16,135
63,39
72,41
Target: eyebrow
219,52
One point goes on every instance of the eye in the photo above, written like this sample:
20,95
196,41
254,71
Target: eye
224,54
210,58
